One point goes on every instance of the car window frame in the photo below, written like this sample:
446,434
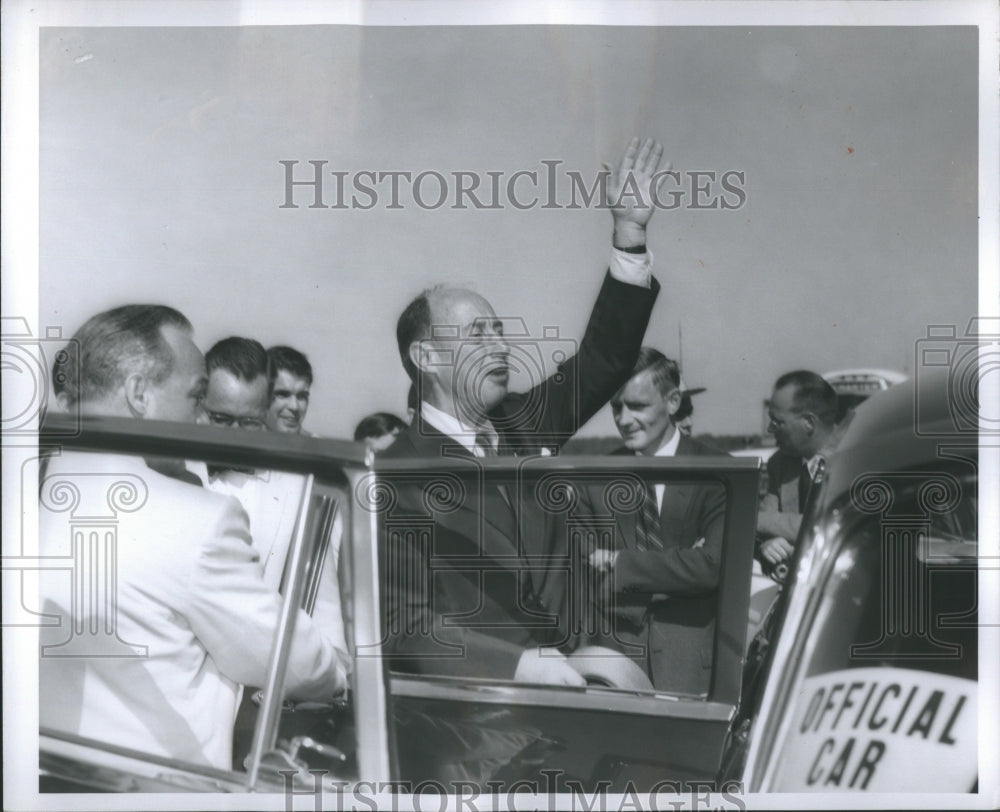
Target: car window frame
328,460
739,476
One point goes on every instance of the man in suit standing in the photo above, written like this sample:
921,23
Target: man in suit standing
659,592
156,666
802,412
492,616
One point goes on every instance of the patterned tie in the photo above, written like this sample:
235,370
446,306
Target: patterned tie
647,535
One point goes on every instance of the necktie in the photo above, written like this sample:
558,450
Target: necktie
484,444
648,527
805,482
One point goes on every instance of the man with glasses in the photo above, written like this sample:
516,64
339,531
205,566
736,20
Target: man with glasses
802,412
238,385
237,397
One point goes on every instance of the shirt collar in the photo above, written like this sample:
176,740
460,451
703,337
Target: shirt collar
458,431
669,448
812,464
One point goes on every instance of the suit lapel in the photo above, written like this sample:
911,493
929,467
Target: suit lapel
484,515
672,507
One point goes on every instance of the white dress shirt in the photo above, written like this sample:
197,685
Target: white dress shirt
272,500
668,449
457,430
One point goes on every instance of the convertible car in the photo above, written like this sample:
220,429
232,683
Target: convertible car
863,677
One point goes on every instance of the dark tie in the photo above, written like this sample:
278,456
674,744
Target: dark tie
483,442
805,482
647,529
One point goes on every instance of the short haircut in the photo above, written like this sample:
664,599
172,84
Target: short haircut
290,360
115,344
812,394
378,425
244,358
664,371
414,323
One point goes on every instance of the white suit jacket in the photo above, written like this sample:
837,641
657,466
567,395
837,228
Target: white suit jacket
271,500
163,611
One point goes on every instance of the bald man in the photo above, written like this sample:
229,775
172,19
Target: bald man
503,618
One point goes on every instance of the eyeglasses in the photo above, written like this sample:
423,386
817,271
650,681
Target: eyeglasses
229,420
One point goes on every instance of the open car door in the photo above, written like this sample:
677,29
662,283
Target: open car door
455,724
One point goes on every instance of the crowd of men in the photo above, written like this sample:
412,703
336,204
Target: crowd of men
201,558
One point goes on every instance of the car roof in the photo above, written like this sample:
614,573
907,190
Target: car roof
905,426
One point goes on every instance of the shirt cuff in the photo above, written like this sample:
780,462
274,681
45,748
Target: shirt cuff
632,269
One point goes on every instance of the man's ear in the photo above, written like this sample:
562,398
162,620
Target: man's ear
673,402
137,394
810,421
420,355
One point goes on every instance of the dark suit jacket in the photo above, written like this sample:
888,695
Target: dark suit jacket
783,472
659,605
781,501
459,594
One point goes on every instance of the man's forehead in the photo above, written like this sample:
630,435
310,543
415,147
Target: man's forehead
286,379
186,353
223,383
783,398
641,386
458,306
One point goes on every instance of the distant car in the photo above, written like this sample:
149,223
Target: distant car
854,386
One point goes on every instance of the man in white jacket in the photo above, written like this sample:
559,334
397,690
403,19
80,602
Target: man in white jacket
189,617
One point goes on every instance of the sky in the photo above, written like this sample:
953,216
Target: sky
160,180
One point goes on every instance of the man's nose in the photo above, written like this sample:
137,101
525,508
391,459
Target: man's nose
499,344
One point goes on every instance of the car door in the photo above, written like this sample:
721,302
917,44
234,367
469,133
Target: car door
280,740
450,732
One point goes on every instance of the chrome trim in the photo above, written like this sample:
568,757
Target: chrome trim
368,682
58,748
266,730
772,721
591,698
